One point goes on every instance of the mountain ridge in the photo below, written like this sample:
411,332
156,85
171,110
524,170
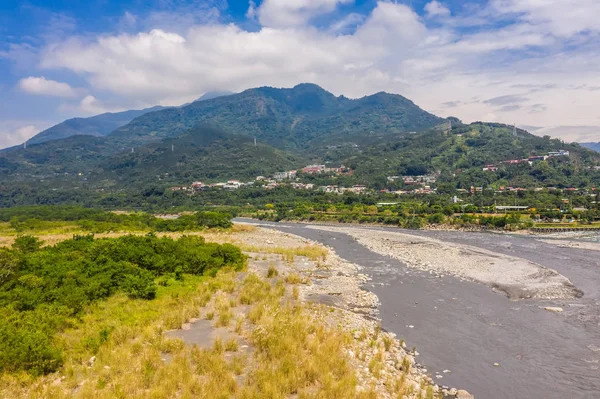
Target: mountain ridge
98,125
287,117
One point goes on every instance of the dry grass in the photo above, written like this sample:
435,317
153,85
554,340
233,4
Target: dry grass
312,252
272,272
292,354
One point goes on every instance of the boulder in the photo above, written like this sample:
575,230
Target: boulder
462,394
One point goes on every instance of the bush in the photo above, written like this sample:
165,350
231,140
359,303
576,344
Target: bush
414,223
27,244
42,288
436,218
140,284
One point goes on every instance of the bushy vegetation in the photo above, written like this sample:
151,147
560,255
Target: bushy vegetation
43,290
30,218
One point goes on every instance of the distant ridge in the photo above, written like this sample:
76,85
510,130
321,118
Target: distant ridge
592,146
99,125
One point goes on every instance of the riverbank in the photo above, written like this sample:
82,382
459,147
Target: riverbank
295,323
378,357
515,277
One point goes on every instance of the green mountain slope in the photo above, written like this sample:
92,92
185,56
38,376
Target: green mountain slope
285,118
99,125
76,154
203,153
461,156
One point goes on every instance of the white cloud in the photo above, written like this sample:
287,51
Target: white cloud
46,87
286,13
436,9
561,18
525,51
17,135
90,105
251,13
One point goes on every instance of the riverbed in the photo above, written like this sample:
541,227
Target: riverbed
471,335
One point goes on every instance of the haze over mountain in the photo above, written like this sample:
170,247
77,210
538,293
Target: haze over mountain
592,146
99,125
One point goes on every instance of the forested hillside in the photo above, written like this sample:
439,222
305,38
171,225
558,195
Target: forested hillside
202,153
462,154
285,118
213,140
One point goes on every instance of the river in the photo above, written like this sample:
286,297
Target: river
487,344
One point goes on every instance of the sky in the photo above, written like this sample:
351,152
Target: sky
535,63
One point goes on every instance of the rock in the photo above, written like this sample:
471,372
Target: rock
462,394
91,361
554,309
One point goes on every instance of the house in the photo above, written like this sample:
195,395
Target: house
313,169
331,189
198,186
358,189
290,174
559,153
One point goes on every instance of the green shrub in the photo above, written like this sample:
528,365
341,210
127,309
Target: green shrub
41,289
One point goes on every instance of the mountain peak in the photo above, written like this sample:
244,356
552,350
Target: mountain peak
209,95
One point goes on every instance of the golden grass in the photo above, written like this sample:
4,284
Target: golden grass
293,354
312,252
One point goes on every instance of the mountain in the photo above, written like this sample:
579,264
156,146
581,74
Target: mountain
214,94
377,136
461,155
592,146
202,153
285,118
99,125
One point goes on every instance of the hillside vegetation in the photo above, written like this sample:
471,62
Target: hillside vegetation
285,118
44,290
461,155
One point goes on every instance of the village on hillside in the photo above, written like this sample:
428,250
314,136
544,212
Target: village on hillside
421,184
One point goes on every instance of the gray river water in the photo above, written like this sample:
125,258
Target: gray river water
465,327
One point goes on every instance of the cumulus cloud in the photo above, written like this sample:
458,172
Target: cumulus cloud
46,87
17,135
436,9
513,53
90,105
286,13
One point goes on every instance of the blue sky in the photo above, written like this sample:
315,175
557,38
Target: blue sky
515,61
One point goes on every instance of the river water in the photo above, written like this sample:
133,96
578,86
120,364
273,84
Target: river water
466,328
